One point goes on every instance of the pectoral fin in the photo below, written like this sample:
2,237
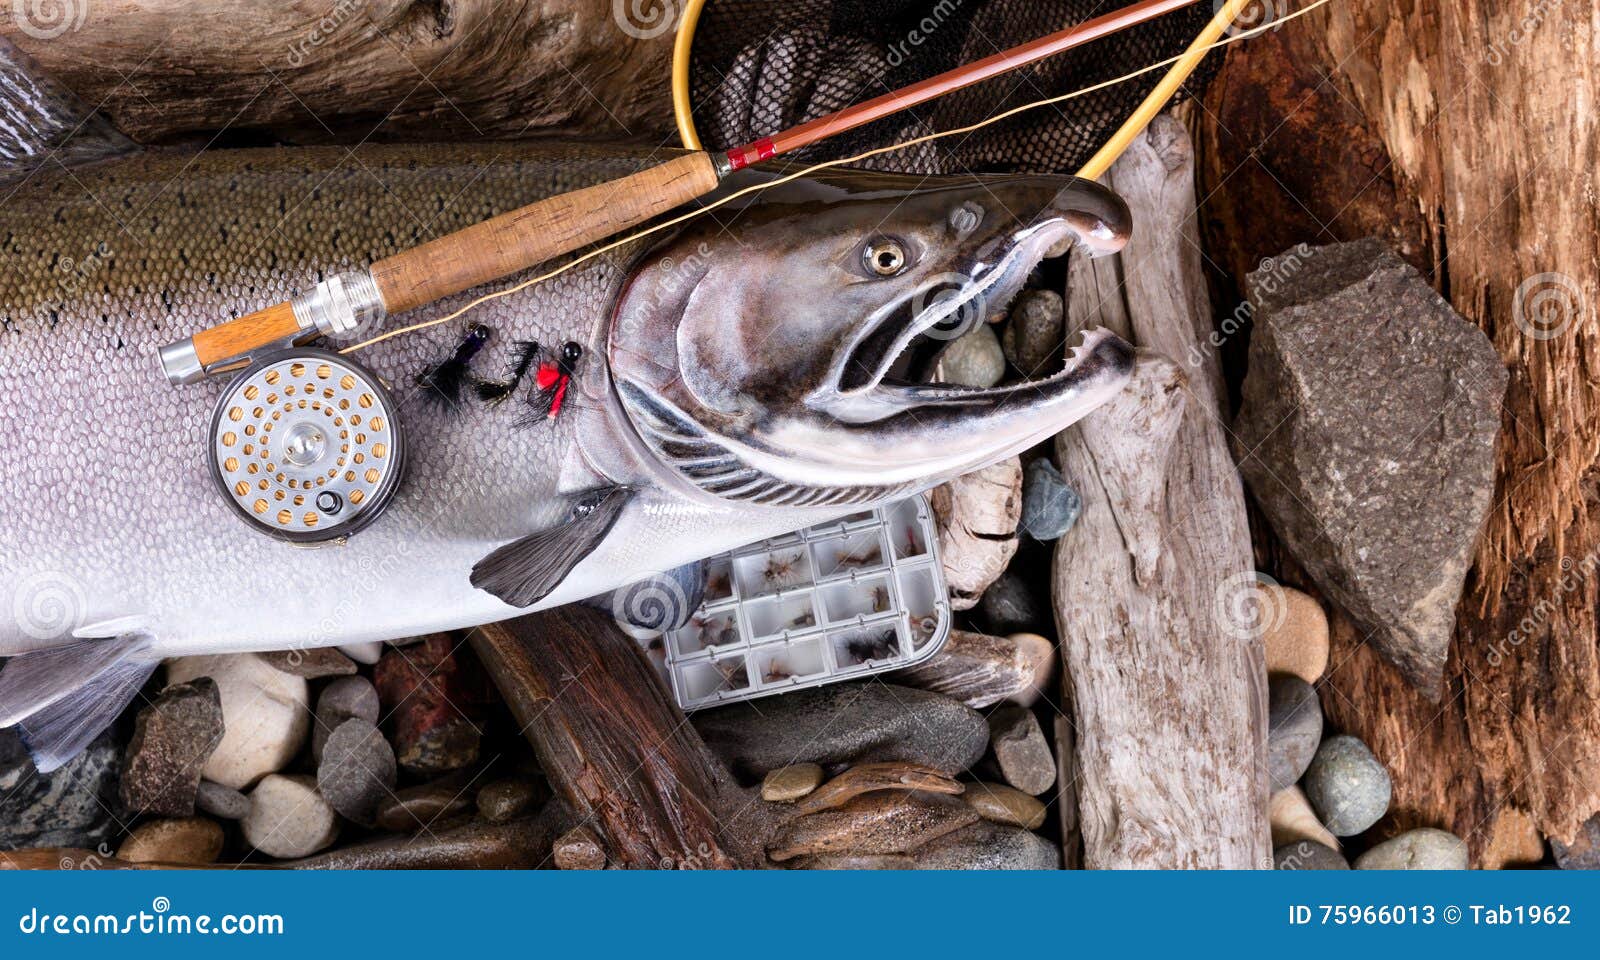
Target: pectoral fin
525,571
60,699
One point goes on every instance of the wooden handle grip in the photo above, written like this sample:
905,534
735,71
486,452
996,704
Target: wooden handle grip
529,235
243,334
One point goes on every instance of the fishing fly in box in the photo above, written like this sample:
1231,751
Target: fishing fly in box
838,601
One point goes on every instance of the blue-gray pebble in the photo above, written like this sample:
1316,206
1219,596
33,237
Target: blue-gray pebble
1049,506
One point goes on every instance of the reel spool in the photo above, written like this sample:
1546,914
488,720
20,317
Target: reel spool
306,447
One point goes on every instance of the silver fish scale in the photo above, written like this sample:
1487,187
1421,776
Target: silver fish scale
109,510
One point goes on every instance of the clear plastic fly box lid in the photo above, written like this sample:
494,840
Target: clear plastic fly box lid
838,601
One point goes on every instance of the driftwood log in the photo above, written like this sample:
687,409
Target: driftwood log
323,70
616,749
1167,689
1470,141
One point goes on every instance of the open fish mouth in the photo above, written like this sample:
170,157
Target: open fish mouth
885,370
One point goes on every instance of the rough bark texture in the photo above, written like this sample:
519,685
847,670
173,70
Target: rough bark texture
321,70
1485,117
1169,757
614,747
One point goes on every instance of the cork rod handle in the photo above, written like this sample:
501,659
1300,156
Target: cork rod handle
535,233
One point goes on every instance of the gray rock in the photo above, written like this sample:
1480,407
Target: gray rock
1583,853
71,806
1049,506
357,770
1294,729
344,699
1306,855
1035,336
1366,433
974,359
988,846
172,739
224,803
845,722
1009,606
1347,786
1020,750
1421,849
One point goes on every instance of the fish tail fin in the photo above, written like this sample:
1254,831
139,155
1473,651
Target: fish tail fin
60,699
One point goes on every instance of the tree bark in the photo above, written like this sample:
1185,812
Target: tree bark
1167,696
326,70
1479,128
615,748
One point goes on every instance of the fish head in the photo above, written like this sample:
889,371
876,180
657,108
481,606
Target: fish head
776,349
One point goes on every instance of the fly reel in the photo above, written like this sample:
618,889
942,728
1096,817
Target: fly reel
305,445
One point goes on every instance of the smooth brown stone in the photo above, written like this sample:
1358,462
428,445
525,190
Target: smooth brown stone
414,808
579,849
312,664
787,784
1295,631
473,845
506,800
874,823
869,777
1292,820
193,840
999,803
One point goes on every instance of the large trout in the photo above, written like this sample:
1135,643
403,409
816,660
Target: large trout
739,381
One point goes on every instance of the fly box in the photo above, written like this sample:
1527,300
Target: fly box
838,601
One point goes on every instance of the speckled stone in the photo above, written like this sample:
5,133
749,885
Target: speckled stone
172,739
1347,786
788,784
1422,849
578,849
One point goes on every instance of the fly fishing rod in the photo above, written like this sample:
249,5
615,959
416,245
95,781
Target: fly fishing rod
530,235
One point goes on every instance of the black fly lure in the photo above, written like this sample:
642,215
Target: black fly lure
442,382
493,391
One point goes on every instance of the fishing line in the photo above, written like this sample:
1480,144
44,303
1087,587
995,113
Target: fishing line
1191,54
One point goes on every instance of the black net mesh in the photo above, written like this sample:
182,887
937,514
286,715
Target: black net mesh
759,66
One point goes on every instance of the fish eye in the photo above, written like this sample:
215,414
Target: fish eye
884,256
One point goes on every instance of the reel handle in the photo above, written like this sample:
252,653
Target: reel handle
483,252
